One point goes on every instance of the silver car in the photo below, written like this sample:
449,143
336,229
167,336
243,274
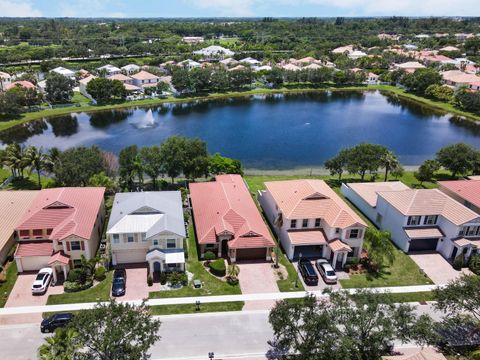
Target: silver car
326,271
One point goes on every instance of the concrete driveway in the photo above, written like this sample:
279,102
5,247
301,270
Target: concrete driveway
257,277
437,268
137,287
321,284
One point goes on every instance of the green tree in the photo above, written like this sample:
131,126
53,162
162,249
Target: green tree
223,165
77,165
36,160
102,180
457,158
337,165
127,159
195,161
426,171
380,248
347,326
172,152
421,79
389,161
439,92
365,157
59,88
152,163
62,345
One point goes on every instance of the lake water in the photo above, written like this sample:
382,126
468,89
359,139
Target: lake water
264,132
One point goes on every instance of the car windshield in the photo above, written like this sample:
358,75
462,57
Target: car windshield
37,286
40,276
118,281
331,273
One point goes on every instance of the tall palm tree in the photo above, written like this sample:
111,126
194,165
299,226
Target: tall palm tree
51,157
15,159
36,160
389,161
138,170
63,345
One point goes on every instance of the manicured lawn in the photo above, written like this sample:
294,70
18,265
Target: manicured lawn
402,272
190,309
411,297
100,292
79,98
7,286
29,182
211,285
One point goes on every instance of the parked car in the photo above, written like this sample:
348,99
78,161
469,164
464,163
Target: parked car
326,271
55,321
308,272
41,282
119,282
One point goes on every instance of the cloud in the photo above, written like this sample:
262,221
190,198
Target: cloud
226,7
18,9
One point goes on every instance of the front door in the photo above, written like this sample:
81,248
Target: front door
156,266
454,253
225,248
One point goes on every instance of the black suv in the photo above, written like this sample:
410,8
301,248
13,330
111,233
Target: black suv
55,321
119,282
308,272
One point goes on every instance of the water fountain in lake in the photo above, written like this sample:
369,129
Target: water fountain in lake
145,122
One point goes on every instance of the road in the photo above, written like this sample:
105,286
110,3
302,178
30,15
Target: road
233,335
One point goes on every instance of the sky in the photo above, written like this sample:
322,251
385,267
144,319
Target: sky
237,8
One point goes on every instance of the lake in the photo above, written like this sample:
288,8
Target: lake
264,132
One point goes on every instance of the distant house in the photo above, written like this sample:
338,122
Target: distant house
238,68
449,48
13,205
251,62
21,83
458,79
466,192
409,66
193,39
356,54
60,226
422,36
312,66
148,227
410,47
312,220
227,220
343,49
372,78
418,219
109,69
5,80
384,36
435,58
291,67
228,62
144,79
463,36
126,80
189,64
214,52
131,69
306,61
64,71
82,85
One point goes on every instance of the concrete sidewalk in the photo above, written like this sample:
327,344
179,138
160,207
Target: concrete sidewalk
209,299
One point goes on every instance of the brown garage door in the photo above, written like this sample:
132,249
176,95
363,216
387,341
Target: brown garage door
251,254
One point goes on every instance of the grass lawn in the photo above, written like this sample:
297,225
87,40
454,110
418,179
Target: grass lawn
100,292
79,98
29,182
410,297
212,285
402,272
7,286
190,309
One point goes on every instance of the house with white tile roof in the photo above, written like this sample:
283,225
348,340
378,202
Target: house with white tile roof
312,220
418,219
148,227
131,69
5,80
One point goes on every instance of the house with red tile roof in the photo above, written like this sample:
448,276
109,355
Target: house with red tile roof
312,220
22,83
227,220
466,192
418,219
60,226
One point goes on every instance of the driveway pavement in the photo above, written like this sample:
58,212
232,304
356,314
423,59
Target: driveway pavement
257,277
21,295
137,287
437,268
321,284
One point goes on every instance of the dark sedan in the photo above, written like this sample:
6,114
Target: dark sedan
55,321
119,282
308,272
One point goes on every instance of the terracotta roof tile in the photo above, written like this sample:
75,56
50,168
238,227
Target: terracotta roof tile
307,237
34,248
466,189
59,257
368,191
424,232
338,245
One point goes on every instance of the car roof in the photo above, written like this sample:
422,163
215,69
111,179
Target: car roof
63,316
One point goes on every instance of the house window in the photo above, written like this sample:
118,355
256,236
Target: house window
354,234
209,246
155,242
37,232
337,230
116,238
130,238
49,231
75,245
379,218
305,223
317,222
144,236
24,233
293,224
172,266
77,263
171,244
413,220
430,220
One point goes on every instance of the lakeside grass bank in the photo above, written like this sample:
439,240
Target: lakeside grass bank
28,117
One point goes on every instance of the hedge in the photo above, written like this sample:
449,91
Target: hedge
218,268
69,286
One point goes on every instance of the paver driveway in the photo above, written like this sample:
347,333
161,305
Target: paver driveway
137,287
437,268
257,277
321,284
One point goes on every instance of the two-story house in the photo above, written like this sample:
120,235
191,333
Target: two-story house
312,220
144,79
227,220
148,227
60,226
418,219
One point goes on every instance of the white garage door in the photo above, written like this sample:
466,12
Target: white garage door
31,263
131,256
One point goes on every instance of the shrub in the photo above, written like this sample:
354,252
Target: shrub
77,275
458,262
69,286
163,278
100,273
232,280
475,355
352,261
149,280
347,267
209,256
217,267
177,278
474,264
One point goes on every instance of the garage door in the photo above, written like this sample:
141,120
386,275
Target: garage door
32,263
131,256
251,254
423,245
308,251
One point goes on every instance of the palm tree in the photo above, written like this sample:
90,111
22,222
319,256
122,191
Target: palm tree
51,157
389,161
61,346
36,159
15,159
278,224
138,170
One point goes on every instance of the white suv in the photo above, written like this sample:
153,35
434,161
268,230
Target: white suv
40,285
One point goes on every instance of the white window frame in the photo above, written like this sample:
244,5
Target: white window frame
116,238
155,242
319,220
293,224
357,234
414,220
430,220
304,223
174,245
144,236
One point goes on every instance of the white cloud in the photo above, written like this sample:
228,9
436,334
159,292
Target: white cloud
18,9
